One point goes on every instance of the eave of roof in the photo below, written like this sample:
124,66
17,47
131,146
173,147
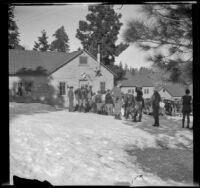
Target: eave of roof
170,90
73,57
54,69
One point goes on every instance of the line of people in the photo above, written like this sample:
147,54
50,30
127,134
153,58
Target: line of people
113,101
110,103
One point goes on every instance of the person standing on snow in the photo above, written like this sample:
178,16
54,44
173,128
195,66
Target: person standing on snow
117,95
186,107
155,99
89,96
71,99
77,97
139,104
98,101
129,103
109,103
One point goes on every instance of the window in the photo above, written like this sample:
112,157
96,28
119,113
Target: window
102,86
83,83
62,88
83,60
24,88
129,90
28,86
146,91
132,91
20,89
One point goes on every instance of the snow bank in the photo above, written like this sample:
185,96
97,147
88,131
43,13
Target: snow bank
77,148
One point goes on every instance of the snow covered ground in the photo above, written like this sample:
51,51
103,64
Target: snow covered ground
88,149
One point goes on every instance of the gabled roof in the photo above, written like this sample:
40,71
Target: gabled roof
136,80
176,90
50,61
107,67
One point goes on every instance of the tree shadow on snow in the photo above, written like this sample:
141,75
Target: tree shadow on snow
16,110
39,95
168,127
173,164
165,161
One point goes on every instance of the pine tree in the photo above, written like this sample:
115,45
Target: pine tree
42,44
102,26
167,32
126,67
60,44
13,33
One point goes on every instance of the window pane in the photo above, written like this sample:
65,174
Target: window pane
62,88
83,60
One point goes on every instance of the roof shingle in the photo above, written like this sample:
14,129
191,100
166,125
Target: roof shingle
136,80
50,61
176,90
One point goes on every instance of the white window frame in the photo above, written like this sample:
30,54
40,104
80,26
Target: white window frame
62,91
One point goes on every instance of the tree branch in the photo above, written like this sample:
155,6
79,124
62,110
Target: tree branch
172,19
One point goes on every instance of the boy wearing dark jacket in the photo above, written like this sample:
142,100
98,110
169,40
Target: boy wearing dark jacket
109,103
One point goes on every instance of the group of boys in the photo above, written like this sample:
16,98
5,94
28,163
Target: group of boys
83,97
110,103
133,105
88,101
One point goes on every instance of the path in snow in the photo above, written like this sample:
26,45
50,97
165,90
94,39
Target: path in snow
83,148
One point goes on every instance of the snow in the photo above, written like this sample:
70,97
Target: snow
72,148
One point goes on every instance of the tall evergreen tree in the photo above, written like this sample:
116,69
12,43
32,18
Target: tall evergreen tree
13,31
167,31
102,26
61,43
42,44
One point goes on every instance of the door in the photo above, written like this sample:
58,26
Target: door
83,83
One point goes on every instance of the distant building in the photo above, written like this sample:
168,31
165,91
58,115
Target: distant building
47,75
130,83
190,87
172,91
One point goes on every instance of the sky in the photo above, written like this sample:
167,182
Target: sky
31,20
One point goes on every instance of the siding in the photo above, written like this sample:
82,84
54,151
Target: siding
71,74
48,87
148,95
125,89
42,90
165,94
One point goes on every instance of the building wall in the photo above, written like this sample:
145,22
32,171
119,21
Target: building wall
71,74
149,93
165,94
42,89
126,89
48,87
13,80
145,95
